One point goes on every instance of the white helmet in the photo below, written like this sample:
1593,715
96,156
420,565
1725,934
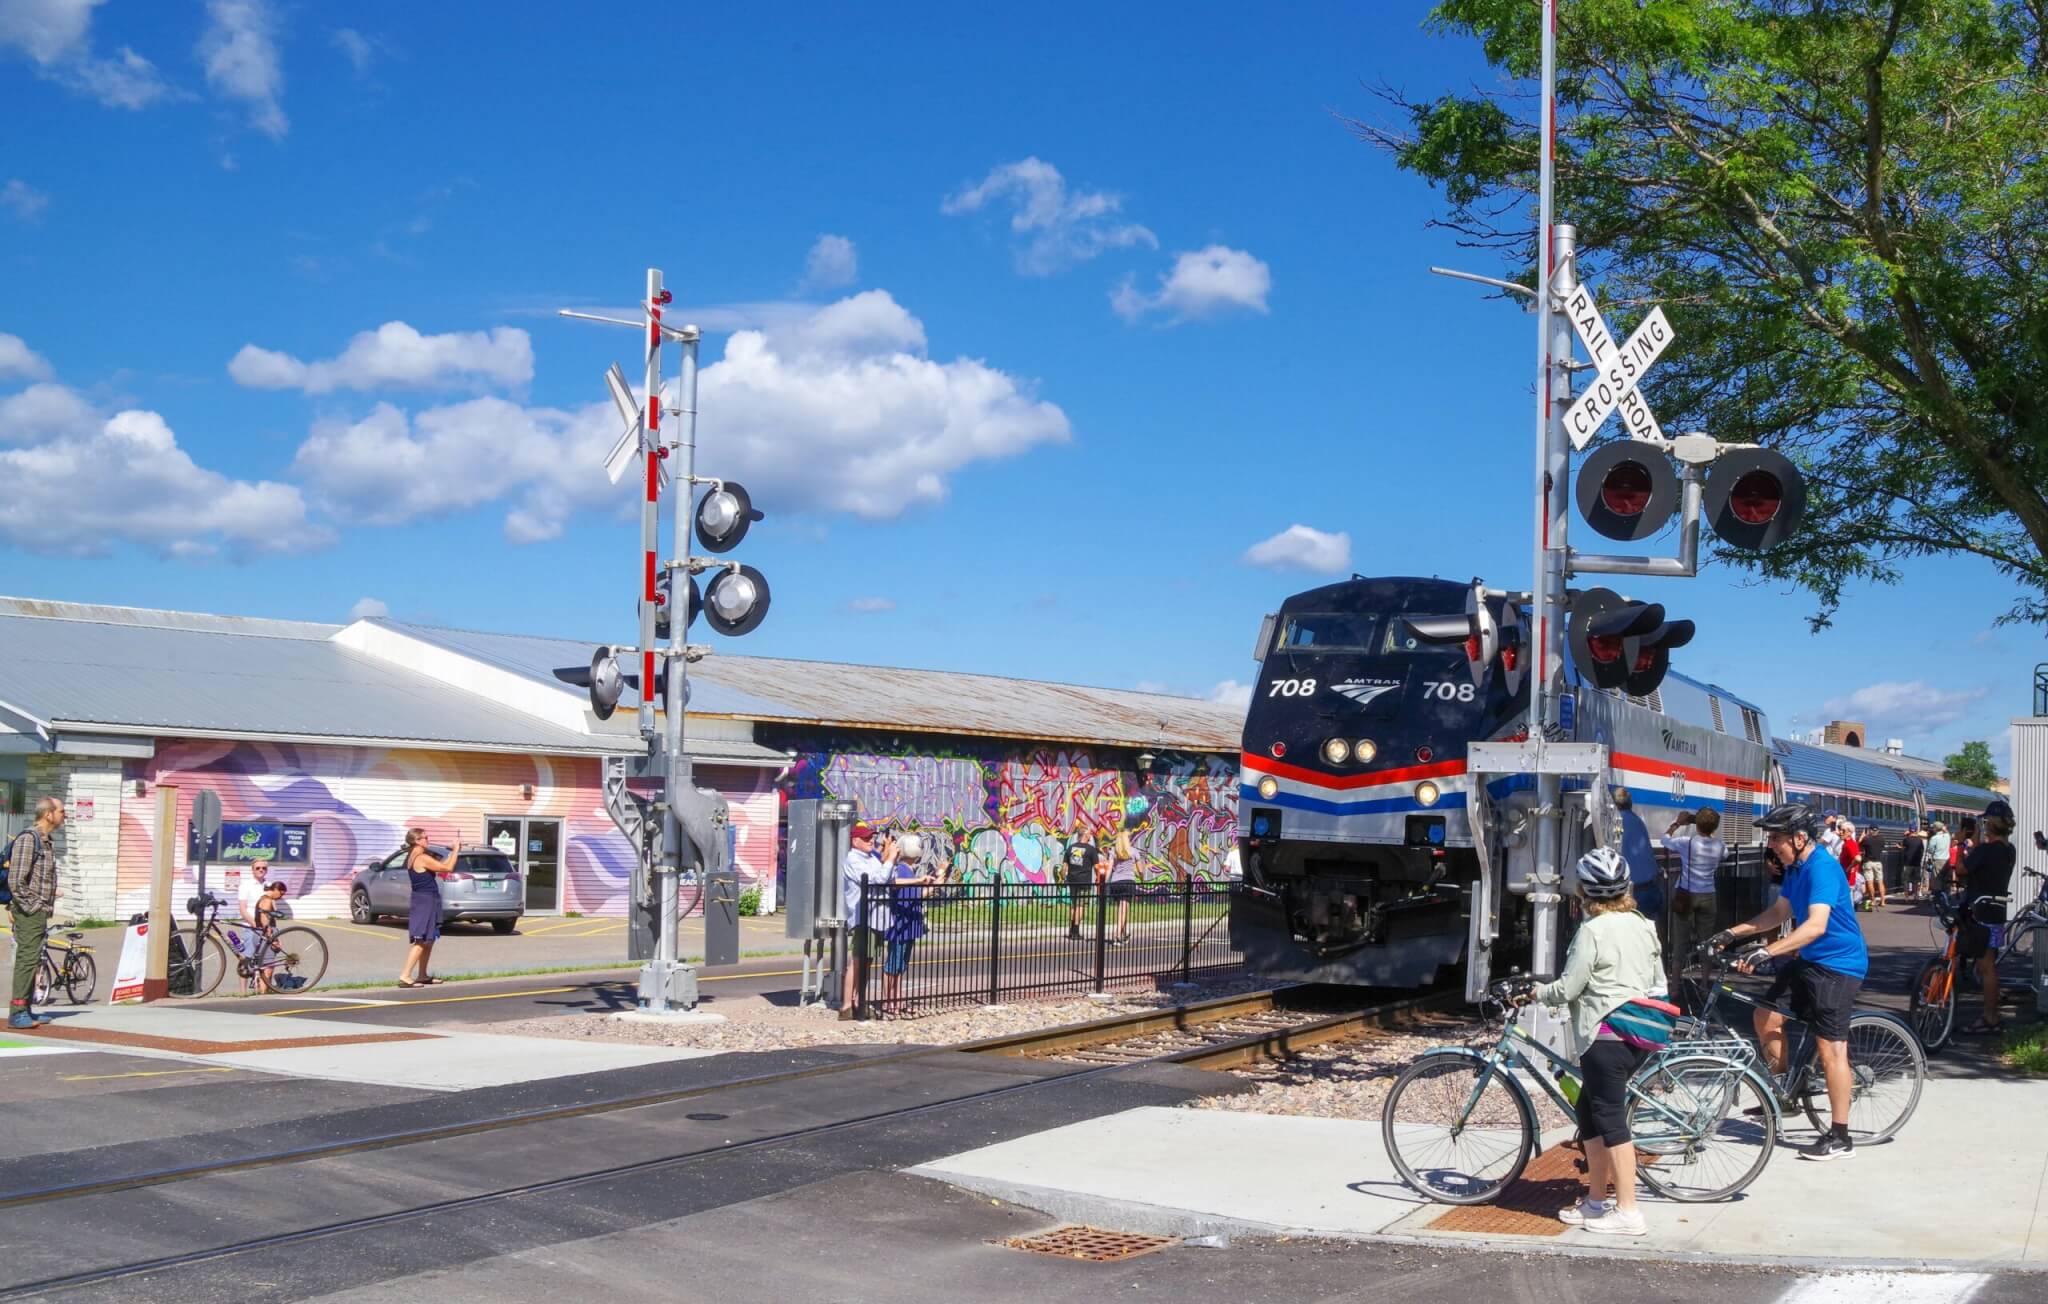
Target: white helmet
1603,874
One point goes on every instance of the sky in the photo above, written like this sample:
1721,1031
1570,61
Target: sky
1060,341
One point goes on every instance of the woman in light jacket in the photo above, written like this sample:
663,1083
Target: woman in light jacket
1614,959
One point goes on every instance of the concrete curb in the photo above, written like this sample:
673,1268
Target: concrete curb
1165,1220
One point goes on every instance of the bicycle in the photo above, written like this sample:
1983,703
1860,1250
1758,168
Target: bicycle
291,959
1934,988
1885,1060
1460,1124
75,972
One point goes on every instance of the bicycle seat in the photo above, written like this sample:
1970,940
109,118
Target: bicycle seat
74,937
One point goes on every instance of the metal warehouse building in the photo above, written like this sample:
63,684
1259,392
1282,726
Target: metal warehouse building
326,741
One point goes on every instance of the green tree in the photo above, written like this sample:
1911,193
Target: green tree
1972,765
1843,205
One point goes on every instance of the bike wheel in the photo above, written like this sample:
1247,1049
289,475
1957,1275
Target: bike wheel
45,983
80,977
1934,1005
301,955
213,965
1704,1127
1886,1068
1457,1129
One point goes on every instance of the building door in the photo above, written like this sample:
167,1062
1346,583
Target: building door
536,847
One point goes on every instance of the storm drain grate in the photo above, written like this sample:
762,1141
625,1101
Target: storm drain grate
1089,1243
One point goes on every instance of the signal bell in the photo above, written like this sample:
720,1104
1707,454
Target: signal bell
607,682
1754,497
723,516
1627,489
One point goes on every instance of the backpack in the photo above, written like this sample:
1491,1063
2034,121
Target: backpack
7,863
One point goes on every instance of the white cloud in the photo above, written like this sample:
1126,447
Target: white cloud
355,47
871,606
95,482
26,201
56,36
395,355
1896,709
1298,547
368,609
18,360
832,264
42,410
1228,692
1055,229
1203,283
841,411
239,49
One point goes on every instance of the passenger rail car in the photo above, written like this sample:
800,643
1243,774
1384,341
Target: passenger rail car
1354,800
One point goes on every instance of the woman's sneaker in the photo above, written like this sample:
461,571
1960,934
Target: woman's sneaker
1617,1222
1576,1215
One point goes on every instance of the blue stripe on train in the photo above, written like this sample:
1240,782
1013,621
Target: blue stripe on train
1382,806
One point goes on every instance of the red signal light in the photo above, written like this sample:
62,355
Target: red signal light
1279,750
1756,497
1604,649
1424,755
1472,648
1626,489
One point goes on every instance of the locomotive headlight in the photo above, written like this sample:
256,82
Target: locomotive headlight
1269,787
1365,749
1336,751
1427,793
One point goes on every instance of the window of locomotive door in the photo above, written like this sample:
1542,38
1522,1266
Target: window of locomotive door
537,847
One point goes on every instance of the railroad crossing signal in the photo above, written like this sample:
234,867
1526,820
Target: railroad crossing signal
1621,644
1619,369
1627,489
1754,498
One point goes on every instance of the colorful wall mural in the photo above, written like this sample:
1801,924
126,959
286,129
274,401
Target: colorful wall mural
989,809
359,801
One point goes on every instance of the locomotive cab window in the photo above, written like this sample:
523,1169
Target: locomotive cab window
1406,635
1329,631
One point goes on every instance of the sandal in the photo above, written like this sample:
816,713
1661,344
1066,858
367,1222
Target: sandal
409,985
430,982
1983,1029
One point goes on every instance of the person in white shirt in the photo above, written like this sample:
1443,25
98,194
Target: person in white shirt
1693,920
863,865
255,880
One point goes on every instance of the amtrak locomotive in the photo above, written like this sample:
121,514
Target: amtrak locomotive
1354,805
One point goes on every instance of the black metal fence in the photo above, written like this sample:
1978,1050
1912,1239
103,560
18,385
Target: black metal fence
1742,887
942,946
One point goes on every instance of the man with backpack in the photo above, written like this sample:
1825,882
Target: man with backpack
31,889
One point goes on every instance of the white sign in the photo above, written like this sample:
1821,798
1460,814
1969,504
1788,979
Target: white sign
1618,370
82,809
134,964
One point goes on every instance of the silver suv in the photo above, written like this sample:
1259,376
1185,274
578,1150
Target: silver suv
485,887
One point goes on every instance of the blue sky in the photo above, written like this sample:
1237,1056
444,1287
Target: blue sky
1026,328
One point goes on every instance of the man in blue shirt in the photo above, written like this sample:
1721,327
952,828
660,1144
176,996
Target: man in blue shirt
1831,965
1644,882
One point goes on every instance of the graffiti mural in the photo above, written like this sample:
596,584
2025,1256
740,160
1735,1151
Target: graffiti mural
988,811
359,801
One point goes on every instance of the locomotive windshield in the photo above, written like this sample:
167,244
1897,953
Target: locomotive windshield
1367,633
1329,631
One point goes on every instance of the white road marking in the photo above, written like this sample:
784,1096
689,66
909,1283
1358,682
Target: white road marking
1886,1288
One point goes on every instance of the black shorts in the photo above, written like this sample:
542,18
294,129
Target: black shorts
1821,998
1606,1068
1973,939
1079,883
1121,889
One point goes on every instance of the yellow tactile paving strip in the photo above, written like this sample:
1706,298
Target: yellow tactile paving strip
1529,1207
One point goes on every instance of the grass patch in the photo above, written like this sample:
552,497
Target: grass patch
90,921
2026,1049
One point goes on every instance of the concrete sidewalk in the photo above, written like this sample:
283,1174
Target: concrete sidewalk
376,1054
1966,1182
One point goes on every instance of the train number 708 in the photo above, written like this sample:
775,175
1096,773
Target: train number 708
1291,688
1445,690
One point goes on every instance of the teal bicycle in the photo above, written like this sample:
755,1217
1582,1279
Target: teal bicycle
1461,1123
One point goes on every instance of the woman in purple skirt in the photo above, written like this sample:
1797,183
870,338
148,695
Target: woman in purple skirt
423,919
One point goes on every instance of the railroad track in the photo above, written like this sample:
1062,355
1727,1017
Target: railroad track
1218,1034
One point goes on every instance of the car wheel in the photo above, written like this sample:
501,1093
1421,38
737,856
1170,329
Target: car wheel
359,907
503,926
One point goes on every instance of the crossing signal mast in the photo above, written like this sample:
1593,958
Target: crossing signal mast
1629,490
686,826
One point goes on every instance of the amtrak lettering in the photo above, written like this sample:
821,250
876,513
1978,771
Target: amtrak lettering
1673,743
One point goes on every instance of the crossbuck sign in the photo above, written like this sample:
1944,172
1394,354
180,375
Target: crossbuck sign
1619,369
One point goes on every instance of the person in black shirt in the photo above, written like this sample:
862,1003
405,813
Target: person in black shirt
1081,857
1913,850
1987,877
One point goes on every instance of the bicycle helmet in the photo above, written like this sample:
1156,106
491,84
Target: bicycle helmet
1790,817
1603,874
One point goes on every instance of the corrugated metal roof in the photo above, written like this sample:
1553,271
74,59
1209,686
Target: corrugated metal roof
1807,765
926,701
119,669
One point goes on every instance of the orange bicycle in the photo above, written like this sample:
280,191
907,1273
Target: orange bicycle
1934,990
